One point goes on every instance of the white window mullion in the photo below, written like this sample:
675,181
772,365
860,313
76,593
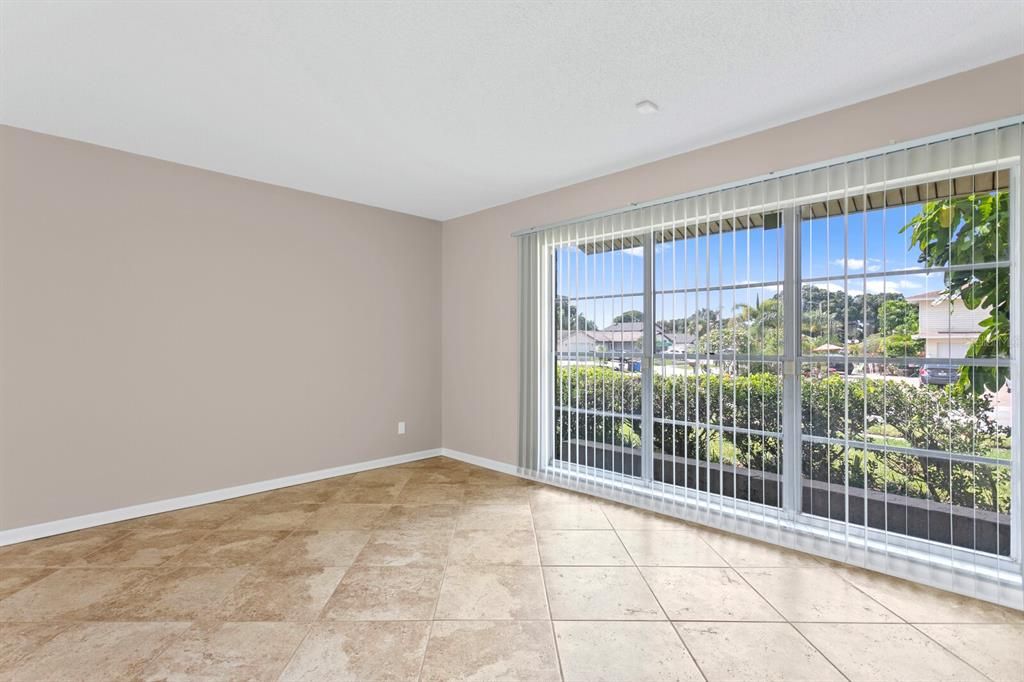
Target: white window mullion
1016,205
647,363
792,446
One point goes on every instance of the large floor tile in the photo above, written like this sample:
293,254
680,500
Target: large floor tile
313,493
768,652
570,517
866,652
431,493
995,650
492,593
711,594
376,492
606,593
816,595
669,548
186,593
630,518
272,516
227,652
545,496
420,517
741,552
343,516
13,579
318,548
207,516
480,476
509,547
70,594
582,548
273,593
376,477
920,604
495,517
496,494
230,548
612,651
434,476
360,652
405,548
436,462
491,651
385,593
58,550
143,548
98,651
18,640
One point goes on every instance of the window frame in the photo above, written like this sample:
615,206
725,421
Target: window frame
788,524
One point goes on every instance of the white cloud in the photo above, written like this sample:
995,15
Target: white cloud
876,285
873,264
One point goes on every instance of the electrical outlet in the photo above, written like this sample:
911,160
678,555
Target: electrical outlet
401,428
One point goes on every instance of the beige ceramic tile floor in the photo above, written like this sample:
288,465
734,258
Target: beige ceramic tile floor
437,570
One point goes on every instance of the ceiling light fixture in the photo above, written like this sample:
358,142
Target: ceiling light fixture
647,107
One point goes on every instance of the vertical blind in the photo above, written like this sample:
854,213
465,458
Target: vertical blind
824,359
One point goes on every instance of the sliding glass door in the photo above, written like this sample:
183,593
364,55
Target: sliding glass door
833,350
906,361
598,319
717,366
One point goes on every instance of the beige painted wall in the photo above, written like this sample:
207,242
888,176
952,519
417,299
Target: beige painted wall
167,330
479,281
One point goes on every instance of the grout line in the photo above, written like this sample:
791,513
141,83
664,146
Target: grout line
171,642
786,620
64,627
291,657
947,649
547,597
426,648
679,635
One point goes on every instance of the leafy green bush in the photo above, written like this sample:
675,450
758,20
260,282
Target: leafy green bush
687,408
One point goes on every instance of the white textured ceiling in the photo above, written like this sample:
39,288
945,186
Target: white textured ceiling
441,109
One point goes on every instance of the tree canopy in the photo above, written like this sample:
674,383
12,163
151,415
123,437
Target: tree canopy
972,230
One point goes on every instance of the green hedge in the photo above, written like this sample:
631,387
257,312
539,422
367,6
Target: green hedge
883,411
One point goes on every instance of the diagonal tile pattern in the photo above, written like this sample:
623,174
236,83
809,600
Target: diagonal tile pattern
438,570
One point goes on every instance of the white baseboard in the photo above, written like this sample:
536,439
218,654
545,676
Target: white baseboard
42,530
483,462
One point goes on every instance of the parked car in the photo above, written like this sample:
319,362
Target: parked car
938,375
623,365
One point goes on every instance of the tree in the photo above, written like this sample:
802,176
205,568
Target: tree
900,346
864,308
629,316
819,325
964,231
567,317
697,323
897,316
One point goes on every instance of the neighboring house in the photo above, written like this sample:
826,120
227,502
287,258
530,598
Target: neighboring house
581,341
621,337
947,327
680,343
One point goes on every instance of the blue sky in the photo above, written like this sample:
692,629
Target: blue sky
749,257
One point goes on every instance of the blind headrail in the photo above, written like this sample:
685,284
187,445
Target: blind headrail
991,126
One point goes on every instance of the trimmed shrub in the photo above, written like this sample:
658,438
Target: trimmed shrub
883,412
